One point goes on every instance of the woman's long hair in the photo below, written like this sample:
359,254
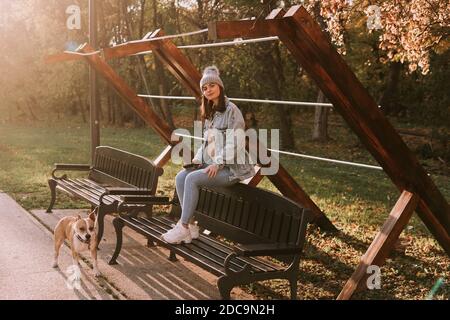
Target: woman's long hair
207,108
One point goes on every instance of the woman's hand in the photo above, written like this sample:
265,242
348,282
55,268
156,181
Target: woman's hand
211,170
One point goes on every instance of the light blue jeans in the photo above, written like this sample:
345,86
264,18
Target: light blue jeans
190,181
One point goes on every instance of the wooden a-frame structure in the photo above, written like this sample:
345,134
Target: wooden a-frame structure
311,48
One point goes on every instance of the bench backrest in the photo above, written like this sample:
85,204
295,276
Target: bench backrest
251,215
123,169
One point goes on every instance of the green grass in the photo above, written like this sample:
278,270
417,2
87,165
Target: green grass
356,200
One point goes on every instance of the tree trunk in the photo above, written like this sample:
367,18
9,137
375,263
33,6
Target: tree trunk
287,136
82,106
109,107
120,114
142,19
320,130
388,101
32,104
113,110
166,108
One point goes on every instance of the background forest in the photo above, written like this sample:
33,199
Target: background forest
402,59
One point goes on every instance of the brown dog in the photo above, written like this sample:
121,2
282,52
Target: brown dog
81,234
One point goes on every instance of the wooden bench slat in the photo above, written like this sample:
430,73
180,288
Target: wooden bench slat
218,245
92,184
255,220
276,226
295,225
230,212
238,213
218,249
190,255
225,208
65,186
267,226
285,229
245,214
219,206
96,189
93,192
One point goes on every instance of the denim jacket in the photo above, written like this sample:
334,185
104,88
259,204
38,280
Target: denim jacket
229,152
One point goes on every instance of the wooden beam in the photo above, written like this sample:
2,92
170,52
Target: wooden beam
178,64
383,243
131,47
311,47
242,28
62,57
164,157
136,103
117,51
256,179
276,14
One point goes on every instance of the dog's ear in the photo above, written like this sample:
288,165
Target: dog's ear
78,217
92,215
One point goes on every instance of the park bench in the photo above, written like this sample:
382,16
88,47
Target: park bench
260,223
117,181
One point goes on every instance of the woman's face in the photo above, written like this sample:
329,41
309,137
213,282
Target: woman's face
211,91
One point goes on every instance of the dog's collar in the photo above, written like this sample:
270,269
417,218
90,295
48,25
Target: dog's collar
82,240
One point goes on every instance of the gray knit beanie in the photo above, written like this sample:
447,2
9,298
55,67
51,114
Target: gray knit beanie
211,74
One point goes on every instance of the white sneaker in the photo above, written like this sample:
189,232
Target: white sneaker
193,228
177,235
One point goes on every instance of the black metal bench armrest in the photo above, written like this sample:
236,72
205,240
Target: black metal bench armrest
127,192
266,249
148,200
131,192
69,167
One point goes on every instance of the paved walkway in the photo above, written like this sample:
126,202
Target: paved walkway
26,251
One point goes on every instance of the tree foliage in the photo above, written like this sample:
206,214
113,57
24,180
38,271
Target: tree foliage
412,33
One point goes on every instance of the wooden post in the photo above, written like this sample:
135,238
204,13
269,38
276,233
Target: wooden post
93,84
383,243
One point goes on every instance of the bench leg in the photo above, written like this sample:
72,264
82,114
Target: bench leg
293,285
102,211
149,212
118,226
150,243
173,256
225,286
52,184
